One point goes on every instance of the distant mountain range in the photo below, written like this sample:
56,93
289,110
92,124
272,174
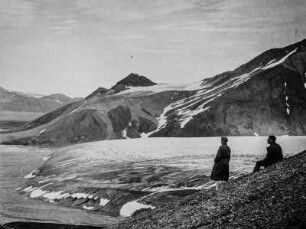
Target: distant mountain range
265,96
18,101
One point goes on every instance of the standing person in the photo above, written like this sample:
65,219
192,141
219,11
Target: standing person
274,154
220,172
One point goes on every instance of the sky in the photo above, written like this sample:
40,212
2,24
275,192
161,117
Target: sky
75,46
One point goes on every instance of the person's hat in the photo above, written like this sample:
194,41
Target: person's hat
272,137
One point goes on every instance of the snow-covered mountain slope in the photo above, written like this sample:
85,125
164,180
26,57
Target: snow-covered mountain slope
264,96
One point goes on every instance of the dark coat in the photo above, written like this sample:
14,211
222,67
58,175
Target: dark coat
274,154
221,167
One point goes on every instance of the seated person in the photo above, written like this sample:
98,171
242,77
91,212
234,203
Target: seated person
274,154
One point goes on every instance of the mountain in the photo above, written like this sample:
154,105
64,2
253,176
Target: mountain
18,101
265,96
132,80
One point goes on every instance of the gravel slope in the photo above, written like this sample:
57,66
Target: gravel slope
272,198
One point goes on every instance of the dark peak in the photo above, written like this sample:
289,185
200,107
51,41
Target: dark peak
134,80
98,92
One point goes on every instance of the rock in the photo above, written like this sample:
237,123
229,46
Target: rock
120,117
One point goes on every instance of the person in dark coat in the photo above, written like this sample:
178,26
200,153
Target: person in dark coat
220,171
274,154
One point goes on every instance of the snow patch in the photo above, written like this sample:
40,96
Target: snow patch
88,208
37,193
130,207
44,181
70,177
51,196
79,195
287,98
29,189
46,158
31,174
144,135
124,131
103,202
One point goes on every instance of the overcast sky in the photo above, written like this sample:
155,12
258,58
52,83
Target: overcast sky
75,46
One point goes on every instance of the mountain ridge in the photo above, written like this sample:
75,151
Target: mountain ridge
267,95
29,102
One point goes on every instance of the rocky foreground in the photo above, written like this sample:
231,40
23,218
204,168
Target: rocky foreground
272,198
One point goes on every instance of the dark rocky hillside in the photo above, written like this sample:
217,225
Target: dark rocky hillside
270,99
272,198
265,96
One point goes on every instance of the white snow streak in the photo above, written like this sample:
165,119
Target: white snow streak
78,108
286,97
270,62
162,121
31,174
88,208
268,66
